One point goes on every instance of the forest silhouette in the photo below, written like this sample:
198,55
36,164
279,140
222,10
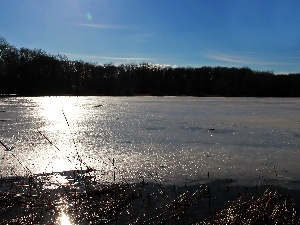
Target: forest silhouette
33,72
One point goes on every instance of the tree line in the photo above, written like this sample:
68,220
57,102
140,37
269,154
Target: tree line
33,72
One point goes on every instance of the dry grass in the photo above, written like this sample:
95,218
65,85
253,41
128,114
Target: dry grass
25,200
270,208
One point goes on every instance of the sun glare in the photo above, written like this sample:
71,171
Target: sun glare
64,219
54,108
59,126
60,113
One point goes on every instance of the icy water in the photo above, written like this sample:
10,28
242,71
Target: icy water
163,139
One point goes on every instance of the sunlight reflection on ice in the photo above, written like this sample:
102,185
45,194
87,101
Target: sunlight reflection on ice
57,164
54,181
61,115
175,138
64,219
60,110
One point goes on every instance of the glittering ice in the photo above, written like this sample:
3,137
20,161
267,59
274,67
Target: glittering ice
171,139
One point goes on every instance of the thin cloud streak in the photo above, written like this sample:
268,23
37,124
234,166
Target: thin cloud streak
241,59
106,57
105,26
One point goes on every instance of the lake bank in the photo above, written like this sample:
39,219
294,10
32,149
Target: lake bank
75,195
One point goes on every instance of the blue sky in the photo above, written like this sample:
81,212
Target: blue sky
260,34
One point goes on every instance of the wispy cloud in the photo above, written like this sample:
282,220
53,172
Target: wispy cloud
250,58
84,56
105,26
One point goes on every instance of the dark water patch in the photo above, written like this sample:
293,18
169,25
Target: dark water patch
126,142
220,131
211,130
194,142
267,144
191,128
156,119
97,106
295,182
202,142
156,128
297,135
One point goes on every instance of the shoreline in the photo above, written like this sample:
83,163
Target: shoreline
145,95
149,202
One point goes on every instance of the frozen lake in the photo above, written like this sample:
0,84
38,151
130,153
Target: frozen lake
170,139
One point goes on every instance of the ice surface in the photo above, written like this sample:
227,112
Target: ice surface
169,139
